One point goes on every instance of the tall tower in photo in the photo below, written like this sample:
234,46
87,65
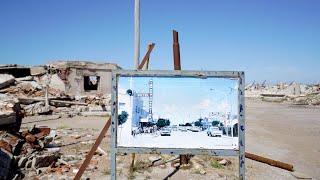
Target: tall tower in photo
150,118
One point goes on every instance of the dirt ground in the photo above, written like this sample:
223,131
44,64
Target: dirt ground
287,133
278,131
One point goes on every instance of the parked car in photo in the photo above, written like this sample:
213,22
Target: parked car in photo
214,132
165,132
183,128
195,129
174,128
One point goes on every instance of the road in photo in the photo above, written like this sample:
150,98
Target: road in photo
178,139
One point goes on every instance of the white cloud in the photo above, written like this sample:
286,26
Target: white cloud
223,106
203,104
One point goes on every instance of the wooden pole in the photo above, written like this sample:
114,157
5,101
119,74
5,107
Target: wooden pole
93,150
271,162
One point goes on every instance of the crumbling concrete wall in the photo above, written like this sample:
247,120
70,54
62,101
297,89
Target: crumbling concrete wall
76,73
76,80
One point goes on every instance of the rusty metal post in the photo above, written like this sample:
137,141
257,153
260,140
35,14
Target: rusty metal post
176,51
184,159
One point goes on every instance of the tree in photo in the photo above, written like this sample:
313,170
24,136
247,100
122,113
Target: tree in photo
167,122
122,118
198,123
215,123
163,122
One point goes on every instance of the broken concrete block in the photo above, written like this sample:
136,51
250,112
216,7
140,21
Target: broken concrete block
5,163
37,70
36,108
224,162
27,78
22,161
43,160
14,142
28,164
8,118
29,86
6,80
53,150
9,111
55,82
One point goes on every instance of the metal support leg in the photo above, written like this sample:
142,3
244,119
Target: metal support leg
241,119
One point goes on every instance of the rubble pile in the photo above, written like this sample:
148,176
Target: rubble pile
295,93
66,160
6,80
42,152
43,92
30,89
23,150
10,113
62,89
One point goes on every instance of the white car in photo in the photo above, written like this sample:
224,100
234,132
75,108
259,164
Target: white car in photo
195,129
183,128
174,128
165,132
214,132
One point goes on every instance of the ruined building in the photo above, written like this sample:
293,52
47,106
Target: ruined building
82,77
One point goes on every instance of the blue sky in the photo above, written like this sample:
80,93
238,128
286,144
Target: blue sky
274,40
185,100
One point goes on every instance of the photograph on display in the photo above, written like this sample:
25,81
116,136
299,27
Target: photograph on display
177,112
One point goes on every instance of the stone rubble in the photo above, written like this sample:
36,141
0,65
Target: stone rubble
28,97
6,80
37,153
293,93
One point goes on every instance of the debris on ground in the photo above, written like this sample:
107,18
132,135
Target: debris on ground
66,88
10,113
224,162
6,80
42,152
59,89
24,150
293,93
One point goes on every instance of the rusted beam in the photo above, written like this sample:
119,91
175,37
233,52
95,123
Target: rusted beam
93,150
176,51
133,157
145,61
184,159
271,162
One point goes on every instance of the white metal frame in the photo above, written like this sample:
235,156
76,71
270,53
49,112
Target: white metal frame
197,74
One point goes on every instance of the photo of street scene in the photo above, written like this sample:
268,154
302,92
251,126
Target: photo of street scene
166,112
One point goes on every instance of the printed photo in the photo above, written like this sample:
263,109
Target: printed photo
183,112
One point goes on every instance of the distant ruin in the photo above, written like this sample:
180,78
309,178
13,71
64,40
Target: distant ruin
83,77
